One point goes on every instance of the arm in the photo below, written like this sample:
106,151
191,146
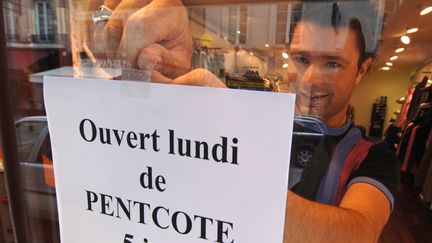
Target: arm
360,217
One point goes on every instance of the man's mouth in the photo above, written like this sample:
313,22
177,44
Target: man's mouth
314,100
315,96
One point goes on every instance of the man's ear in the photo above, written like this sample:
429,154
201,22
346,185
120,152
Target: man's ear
364,67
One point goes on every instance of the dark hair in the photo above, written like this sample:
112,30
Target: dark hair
355,26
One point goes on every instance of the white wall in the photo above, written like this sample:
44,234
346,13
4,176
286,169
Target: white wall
392,84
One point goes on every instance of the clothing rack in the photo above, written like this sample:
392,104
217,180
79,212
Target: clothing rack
415,146
208,58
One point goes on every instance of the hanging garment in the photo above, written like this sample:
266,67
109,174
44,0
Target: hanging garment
409,147
427,186
391,136
420,175
203,61
416,99
195,59
418,147
401,119
404,141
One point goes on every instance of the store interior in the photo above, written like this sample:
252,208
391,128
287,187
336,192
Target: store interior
380,102
406,67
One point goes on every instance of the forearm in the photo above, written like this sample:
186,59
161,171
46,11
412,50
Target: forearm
307,221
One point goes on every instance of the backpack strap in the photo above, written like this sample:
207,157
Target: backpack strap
352,163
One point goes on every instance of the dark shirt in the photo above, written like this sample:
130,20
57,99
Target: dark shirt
380,168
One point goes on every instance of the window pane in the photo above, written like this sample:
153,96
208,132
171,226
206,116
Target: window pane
273,46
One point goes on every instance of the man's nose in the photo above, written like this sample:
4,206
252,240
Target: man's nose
312,74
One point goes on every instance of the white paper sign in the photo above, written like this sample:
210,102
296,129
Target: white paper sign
140,162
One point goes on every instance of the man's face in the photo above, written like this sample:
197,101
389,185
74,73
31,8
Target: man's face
323,70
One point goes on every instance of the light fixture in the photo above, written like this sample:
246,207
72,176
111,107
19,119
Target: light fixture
385,68
399,50
394,58
426,10
238,32
412,30
389,64
285,55
285,65
267,45
405,39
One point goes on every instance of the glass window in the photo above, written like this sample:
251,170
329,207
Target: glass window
29,132
44,21
352,64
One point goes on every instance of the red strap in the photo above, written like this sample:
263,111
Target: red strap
352,163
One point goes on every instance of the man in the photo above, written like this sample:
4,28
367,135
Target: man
326,63
327,60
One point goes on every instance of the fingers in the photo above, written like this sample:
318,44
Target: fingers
171,63
197,77
97,45
91,31
96,42
157,77
155,23
113,29
112,36
112,4
92,5
148,34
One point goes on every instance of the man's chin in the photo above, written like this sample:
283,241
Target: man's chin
314,111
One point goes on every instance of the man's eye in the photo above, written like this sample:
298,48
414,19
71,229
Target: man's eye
301,60
332,65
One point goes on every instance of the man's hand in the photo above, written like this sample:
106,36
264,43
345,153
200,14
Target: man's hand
149,34
197,77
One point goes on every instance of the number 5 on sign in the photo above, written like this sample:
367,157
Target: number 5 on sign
127,238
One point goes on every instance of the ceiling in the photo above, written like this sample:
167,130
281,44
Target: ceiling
400,18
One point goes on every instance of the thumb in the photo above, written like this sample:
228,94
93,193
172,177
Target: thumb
171,63
197,77
157,77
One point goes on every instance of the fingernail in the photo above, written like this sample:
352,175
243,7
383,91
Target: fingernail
148,61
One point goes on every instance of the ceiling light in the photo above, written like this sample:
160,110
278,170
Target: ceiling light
385,68
426,10
399,50
394,58
412,30
285,55
238,32
405,39
389,64
267,45
285,65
